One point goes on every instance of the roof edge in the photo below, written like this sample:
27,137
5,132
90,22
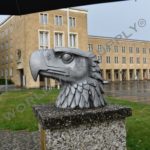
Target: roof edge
114,38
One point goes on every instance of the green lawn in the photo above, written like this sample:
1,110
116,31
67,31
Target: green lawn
16,114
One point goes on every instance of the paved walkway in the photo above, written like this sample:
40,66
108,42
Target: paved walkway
19,140
138,91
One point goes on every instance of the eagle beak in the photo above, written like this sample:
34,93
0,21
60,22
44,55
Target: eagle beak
35,64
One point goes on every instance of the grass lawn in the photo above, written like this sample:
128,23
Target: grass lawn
16,114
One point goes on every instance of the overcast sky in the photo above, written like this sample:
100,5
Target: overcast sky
129,19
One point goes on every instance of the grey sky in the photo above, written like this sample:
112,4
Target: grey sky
112,19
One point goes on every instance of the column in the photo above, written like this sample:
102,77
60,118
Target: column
128,74
120,75
134,74
141,74
112,75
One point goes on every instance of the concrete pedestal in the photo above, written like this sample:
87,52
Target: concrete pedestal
86,129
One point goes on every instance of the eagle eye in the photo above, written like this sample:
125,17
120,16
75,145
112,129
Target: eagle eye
67,58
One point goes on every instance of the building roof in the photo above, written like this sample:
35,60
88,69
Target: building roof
5,20
114,38
72,8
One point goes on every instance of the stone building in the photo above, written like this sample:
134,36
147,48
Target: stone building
121,59
21,35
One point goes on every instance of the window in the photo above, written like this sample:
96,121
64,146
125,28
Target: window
90,47
108,59
72,22
107,48
58,39
100,48
99,58
6,72
11,57
44,39
6,45
144,50
137,50
131,60
124,60
11,72
43,18
2,73
144,60
58,20
73,40
116,49
7,59
130,49
116,60
123,49
138,60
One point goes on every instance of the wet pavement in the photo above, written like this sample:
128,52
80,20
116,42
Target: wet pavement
132,90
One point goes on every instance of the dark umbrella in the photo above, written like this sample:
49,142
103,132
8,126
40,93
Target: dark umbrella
20,7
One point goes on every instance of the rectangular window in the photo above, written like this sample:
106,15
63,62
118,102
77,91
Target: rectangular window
6,59
116,60
58,39
131,60
11,72
90,47
144,50
58,20
2,73
99,58
6,45
44,39
138,60
123,49
73,40
43,18
107,48
100,48
116,49
137,50
72,22
6,72
124,60
130,49
108,59
144,60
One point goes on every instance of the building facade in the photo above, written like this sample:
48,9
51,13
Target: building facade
21,35
120,59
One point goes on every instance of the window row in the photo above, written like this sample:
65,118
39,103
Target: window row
6,72
6,45
7,59
44,40
124,60
107,48
58,20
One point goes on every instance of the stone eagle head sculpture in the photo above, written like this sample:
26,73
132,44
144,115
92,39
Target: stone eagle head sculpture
78,72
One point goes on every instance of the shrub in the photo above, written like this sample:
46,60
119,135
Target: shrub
2,81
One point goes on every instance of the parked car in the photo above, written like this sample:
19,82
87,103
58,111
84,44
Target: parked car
105,82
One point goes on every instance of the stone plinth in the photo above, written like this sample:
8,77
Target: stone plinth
86,129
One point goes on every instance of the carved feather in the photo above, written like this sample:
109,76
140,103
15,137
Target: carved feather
81,103
80,88
67,90
77,97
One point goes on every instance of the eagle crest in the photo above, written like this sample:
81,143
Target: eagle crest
78,72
